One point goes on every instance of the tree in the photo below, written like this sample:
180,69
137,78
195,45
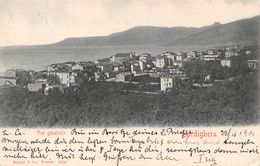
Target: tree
23,78
53,79
196,69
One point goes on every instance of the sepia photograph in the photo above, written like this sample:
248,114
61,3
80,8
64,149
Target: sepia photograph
129,63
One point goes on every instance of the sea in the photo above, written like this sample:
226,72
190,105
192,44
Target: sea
39,57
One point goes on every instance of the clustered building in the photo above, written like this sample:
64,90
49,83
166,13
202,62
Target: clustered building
127,68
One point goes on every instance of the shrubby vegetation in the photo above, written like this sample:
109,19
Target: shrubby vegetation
198,69
106,104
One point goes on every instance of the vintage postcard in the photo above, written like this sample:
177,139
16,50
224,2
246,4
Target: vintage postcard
129,82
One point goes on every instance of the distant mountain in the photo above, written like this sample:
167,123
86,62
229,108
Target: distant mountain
244,31
136,36
241,31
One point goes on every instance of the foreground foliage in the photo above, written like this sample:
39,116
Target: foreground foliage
106,104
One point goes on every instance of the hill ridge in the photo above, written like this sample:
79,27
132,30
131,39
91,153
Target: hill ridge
243,30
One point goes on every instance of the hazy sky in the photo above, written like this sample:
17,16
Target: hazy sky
26,22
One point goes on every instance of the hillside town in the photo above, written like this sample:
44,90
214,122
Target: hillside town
164,71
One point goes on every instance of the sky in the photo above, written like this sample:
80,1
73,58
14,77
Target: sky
32,22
